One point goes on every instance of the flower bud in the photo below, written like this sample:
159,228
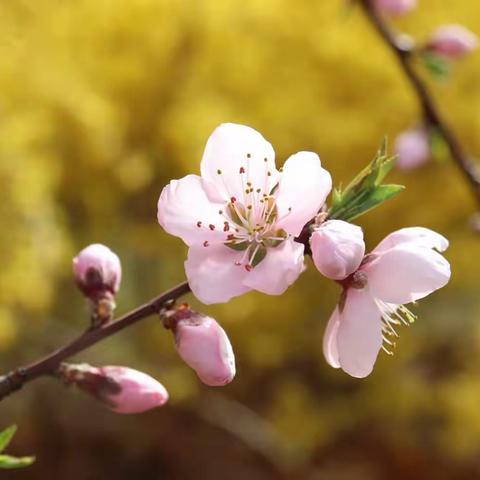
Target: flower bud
204,346
395,7
97,269
413,149
452,41
337,248
122,389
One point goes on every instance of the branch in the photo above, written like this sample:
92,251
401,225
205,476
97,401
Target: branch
403,53
45,366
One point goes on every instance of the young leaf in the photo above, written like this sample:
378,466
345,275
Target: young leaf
438,66
7,461
365,191
6,436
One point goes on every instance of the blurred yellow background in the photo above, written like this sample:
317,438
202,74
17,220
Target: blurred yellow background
102,102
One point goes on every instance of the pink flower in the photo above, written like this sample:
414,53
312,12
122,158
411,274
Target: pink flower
413,149
453,41
395,7
403,268
97,268
337,248
240,217
122,389
204,346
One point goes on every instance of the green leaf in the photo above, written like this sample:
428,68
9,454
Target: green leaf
365,191
381,194
7,461
437,66
6,436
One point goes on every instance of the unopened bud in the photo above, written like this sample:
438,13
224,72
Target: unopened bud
337,248
122,389
98,273
204,346
395,7
413,149
452,41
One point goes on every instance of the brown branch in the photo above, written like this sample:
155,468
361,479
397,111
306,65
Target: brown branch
45,366
403,54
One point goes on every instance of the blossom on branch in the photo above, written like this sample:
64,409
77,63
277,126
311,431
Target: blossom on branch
122,389
403,268
413,149
337,248
452,41
95,268
395,7
240,217
203,345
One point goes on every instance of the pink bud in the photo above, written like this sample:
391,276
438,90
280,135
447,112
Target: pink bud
452,41
122,389
413,149
138,391
97,268
337,248
204,346
395,7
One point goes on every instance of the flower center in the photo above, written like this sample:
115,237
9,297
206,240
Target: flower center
253,229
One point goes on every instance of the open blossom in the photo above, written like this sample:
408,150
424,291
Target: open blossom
337,248
97,268
413,149
395,7
453,41
240,217
403,268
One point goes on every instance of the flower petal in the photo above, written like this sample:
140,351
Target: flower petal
278,270
184,210
407,273
330,349
236,154
337,248
213,275
418,235
303,188
359,336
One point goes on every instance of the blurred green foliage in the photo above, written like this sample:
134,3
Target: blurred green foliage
104,101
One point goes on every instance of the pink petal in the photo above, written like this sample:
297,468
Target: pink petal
359,336
337,248
213,275
303,188
233,149
407,273
185,210
278,270
330,349
419,236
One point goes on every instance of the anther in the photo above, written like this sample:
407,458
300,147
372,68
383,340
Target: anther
242,170
219,172
248,155
205,243
211,227
199,224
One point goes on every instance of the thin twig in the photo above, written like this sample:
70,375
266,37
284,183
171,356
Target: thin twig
403,53
45,366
